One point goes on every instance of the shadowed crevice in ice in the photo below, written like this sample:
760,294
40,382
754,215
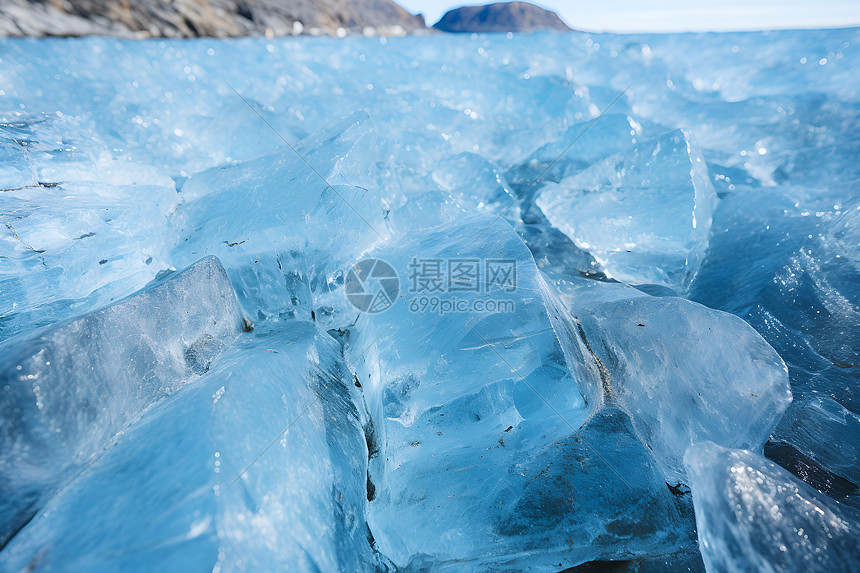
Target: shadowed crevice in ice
813,473
818,440
66,393
597,492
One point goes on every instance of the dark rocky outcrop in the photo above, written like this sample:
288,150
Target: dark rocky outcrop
501,17
195,18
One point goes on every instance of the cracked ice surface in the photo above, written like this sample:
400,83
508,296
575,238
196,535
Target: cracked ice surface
685,303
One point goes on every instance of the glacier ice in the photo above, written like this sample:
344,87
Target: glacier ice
505,402
557,160
163,495
644,215
70,390
539,434
285,236
70,238
687,374
819,440
753,515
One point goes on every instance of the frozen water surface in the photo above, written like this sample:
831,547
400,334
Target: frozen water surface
643,348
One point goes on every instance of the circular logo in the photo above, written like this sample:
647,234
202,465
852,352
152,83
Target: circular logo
372,285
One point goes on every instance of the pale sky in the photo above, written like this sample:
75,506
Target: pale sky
679,15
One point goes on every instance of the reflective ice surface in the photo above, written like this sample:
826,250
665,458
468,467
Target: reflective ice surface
645,216
755,516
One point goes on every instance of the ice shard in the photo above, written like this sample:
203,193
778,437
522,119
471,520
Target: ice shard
753,515
478,414
687,374
644,215
66,393
188,485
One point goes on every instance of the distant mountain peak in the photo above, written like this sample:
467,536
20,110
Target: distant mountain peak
501,17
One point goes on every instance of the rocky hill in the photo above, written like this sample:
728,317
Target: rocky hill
501,17
194,18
